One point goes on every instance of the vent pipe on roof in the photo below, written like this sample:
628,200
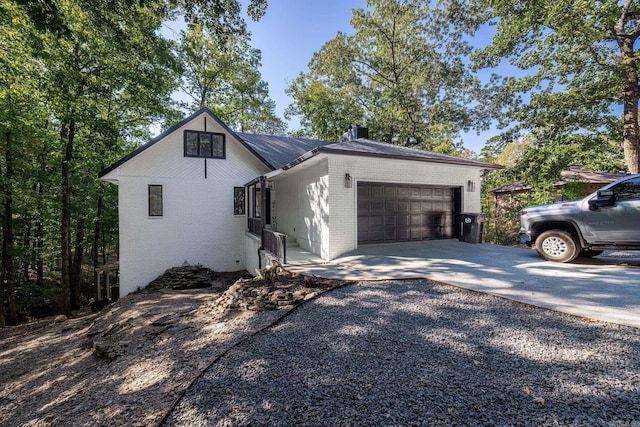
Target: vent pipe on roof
354,133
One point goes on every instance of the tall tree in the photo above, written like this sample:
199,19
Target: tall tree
223,75
402,73
20,109
581,62
77,78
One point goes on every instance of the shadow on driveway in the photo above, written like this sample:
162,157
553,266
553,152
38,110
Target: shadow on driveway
603,288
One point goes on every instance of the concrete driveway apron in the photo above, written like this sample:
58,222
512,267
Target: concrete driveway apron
602,288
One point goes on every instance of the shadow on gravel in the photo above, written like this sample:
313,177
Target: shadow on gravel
54,375
418,353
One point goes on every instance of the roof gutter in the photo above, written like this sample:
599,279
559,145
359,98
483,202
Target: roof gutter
306,156
463,162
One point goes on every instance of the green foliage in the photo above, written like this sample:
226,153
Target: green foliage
402,74
579,59
80,84
539,167
223,75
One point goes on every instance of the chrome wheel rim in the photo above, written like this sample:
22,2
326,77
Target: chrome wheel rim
555,247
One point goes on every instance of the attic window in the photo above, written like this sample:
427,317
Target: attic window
204,144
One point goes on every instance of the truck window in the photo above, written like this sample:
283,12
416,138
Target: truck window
627,190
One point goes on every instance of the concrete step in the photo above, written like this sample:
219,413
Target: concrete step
292,242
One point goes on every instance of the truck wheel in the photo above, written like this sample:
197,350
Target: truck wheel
558,246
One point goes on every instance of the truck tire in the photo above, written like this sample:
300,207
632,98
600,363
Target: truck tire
558,246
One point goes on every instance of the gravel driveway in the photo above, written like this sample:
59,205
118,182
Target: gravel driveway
418,353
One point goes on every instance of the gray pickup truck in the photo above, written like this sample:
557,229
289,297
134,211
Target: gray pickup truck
608,219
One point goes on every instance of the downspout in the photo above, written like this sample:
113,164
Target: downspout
263,213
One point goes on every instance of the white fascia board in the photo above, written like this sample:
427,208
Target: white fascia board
273,174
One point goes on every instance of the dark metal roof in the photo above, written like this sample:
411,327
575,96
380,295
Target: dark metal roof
573,174
280,150
369,148
516,186
285,152
577,174
173,129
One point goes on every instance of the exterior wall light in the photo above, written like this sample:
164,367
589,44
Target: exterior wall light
348,181
471,186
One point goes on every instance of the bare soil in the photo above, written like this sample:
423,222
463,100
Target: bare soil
128,364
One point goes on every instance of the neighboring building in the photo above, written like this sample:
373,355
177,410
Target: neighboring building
202,193
587,183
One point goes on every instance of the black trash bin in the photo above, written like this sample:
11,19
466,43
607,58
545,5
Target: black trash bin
471,225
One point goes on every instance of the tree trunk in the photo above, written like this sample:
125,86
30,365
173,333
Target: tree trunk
96,233
76,265
26,241
8,273
631,96
67,134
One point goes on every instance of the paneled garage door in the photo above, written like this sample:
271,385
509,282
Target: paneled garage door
398,212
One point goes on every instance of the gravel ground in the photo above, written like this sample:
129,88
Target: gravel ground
419,353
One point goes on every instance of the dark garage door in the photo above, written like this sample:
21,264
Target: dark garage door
398,212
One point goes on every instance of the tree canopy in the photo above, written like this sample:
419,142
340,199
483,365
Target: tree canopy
402,73
223,75
80,84
580,66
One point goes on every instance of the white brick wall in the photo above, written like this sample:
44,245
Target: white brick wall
198,225
302,206
330,229
342,223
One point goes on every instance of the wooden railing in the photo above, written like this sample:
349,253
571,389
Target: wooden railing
276,243
255,226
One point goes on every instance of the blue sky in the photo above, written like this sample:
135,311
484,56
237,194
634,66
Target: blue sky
292,31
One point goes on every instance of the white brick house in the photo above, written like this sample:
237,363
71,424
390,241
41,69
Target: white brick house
199,193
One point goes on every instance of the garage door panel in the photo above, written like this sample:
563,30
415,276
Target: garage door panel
397,212
416,234
376,191
403,219
427,206
376,235
390,235
390,191
376,220
403,234
415,206
390,205
376,205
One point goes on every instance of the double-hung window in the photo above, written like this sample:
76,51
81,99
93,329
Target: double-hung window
204,144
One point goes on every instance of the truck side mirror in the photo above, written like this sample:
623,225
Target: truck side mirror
603,198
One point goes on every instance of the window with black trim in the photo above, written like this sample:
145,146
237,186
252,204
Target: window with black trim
204,144
155,200
239,201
